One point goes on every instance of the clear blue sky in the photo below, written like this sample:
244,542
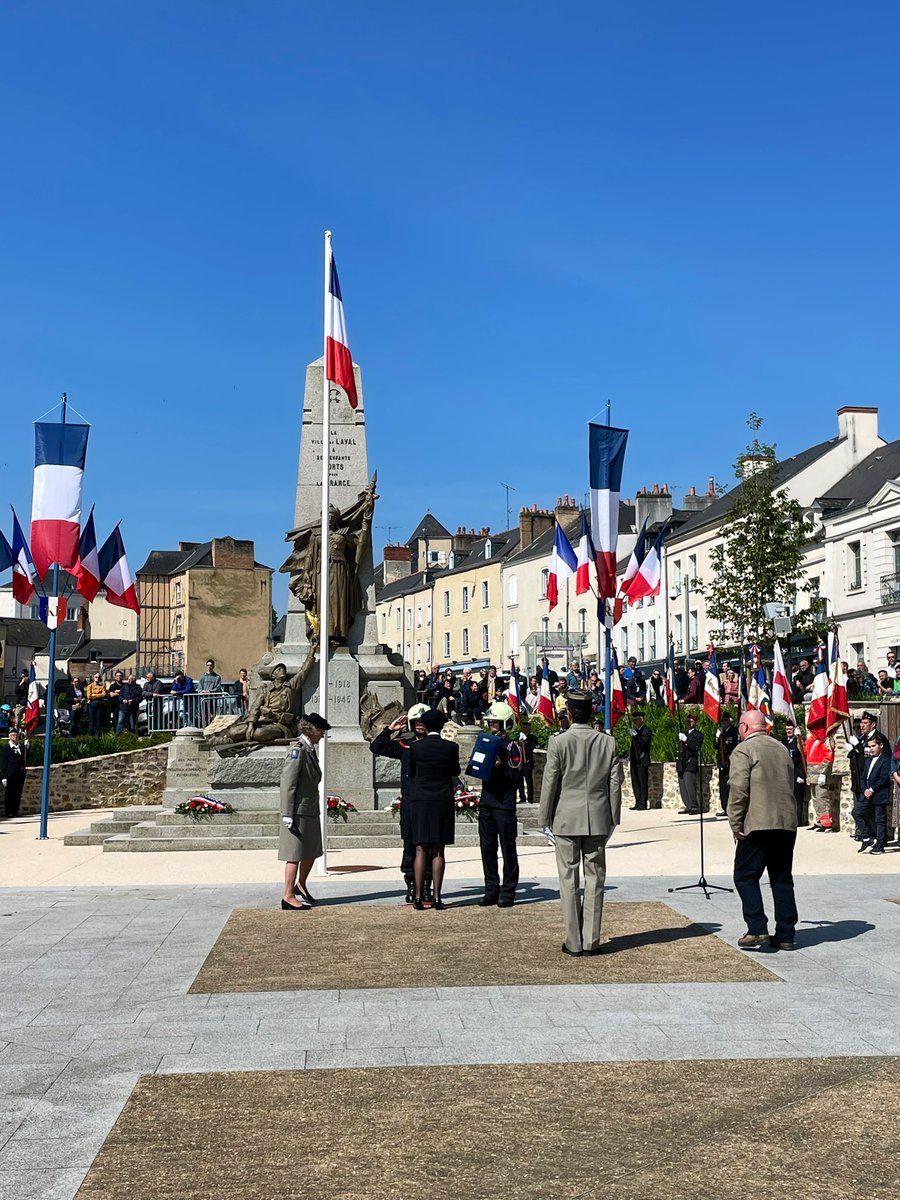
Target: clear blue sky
690,209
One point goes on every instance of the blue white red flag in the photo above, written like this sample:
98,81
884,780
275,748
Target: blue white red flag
115,573
59,456
837,685
545,699
782,704
512,691
338,360
670,679
712,704
52,610
24,575
563,564
606,458
758,693
817,717
648,577
638,554
33,702
88,571
617,707
585,557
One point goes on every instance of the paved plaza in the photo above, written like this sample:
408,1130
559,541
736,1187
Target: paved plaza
95,986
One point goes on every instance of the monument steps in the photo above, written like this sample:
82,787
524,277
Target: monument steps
121,821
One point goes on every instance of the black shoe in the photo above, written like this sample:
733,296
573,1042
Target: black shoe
864,845
877,850
438,904
506,902
304,895
294,907
573,953
592,953
684,812
637,808
410,893
488,901
418,905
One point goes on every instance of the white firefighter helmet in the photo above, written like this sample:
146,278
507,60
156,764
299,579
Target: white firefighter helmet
415,714
503,713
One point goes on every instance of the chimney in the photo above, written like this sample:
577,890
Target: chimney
397,563
751,464
532,523
692,503
860,427
655,507
462,540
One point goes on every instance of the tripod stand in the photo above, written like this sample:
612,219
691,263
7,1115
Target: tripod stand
701,882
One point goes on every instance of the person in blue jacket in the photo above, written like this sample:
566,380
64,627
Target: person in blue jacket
874,798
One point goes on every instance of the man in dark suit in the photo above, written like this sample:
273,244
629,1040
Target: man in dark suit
639,761
726,740
386,744
865,729
687,767
497,823
12,774
795,749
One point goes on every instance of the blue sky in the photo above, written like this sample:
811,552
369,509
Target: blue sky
688,209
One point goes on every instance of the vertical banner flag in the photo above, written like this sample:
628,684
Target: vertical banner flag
711,695
648,578
52,610
837,685
512,691
338,361
817,717
758,694
670,678
545,699
33,702
782,705
59,454
88,571
115,573
585,557
24,574
617,695
606,459
562,565
638,554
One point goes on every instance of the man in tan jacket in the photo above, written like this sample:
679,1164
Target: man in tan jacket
762,813
581,802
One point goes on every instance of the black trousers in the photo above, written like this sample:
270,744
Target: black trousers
497,827
526,785
872,820
13,796
770,850
802,804
724,787
640,785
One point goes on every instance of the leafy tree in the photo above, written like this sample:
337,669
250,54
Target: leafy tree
760,557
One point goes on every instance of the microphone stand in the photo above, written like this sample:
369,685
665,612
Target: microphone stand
702,881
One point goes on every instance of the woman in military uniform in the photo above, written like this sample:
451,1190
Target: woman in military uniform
300,841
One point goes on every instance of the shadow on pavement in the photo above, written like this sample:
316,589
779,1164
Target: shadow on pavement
832,931
659,937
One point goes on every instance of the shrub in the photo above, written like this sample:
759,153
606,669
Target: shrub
665,729
67,749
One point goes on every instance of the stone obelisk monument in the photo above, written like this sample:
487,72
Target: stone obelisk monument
360,663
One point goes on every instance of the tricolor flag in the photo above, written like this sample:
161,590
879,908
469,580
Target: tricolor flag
617,696
606,457
563,564
24,575
758,693
545,699
670,679
711,695
512,690
837,685
115,573
88,571
59,454
52,610
33,703
781,687
338,362
817,717
638,554
646,581
585,557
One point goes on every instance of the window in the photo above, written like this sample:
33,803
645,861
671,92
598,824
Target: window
418,616
512,591
692,566
695,630
418,653
408,655
854,566
679,633
514,637
465,640
640,643
560,632
465,599
397,621
582,620
399,648
177,592
485,595
545,582
894,547
446,604
625,643
676,574
639,603
383,621
409,618
651,639
428,615
428,652
488,548
485,637
446,645
545,628
178,625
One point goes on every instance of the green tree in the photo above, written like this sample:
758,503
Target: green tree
760,557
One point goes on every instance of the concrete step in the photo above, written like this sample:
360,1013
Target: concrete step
204,830
123,842
121,821
262,816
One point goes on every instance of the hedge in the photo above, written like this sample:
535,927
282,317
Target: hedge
67,749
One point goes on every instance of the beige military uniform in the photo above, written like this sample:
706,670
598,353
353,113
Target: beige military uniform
299,786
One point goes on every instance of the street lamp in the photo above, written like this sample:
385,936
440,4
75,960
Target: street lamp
683,587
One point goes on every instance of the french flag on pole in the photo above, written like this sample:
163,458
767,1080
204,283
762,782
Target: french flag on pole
638,554
88,570
115,573
52,610
671,699
563,564
606,457
648,577
782,704
59,454
338,362
711,694
545,700
24,575
585,557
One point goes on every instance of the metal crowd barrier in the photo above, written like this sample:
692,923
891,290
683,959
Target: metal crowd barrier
168,713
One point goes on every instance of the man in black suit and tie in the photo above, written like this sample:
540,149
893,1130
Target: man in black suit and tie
12,774
795,749
639,761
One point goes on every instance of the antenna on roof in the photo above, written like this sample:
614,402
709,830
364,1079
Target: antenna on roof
509,488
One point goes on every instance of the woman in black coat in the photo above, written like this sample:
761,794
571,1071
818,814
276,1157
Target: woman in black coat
433,770
875,794
12,774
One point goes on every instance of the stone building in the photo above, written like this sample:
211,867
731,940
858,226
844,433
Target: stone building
204,600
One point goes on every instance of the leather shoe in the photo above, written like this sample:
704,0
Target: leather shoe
637,807
418,905
592,953
505,903
294,907
488,901
304,895
573,953
438,904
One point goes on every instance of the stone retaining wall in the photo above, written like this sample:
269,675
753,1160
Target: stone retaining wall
107,781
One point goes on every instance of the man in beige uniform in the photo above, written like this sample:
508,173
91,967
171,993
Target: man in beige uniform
581,802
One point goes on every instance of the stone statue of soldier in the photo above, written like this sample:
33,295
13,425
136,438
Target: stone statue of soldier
271,716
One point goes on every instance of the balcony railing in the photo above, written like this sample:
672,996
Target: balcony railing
890,588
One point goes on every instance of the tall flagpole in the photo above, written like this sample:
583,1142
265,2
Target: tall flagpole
51,684
324,614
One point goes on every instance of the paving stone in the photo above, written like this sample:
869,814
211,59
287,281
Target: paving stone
41,1184
28,1079
48,1152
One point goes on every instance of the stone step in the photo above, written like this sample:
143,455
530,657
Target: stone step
124,842
262,816
140,812
121,821
204,830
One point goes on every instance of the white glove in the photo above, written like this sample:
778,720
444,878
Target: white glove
854,741
288,821
800,779
3,781
682,737
822,780
633,732
718,734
